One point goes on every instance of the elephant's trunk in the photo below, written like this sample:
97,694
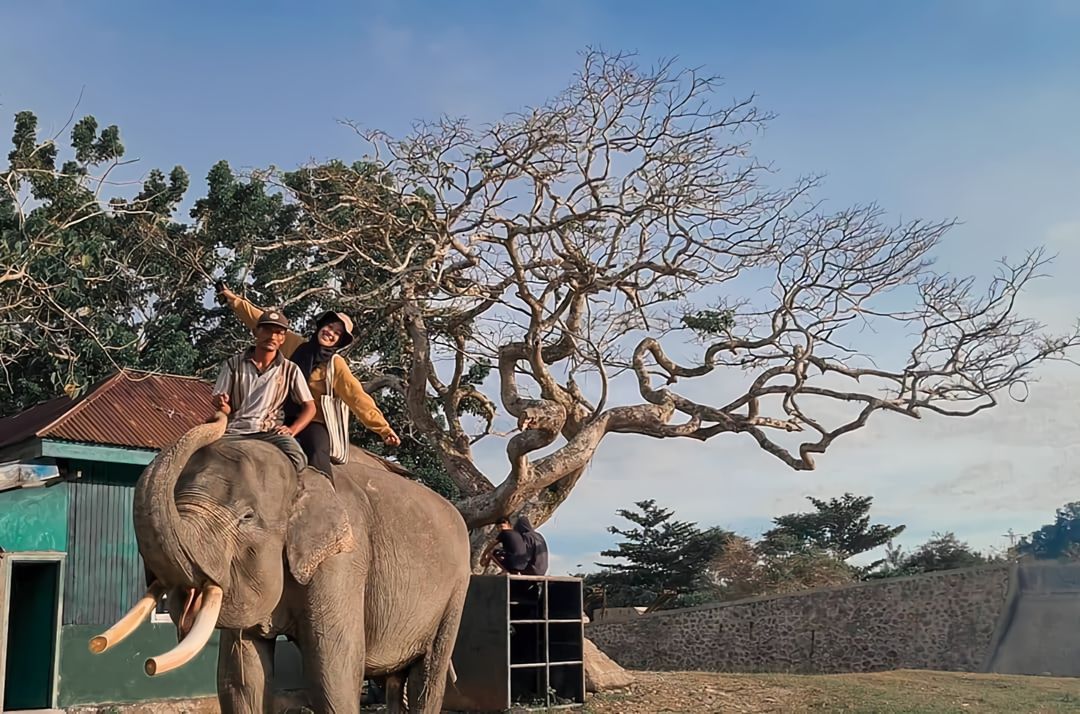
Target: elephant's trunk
162,536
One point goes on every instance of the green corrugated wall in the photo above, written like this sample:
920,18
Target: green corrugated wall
104,570
104,579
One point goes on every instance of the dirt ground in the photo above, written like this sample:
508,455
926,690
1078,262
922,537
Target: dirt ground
910,692
881,693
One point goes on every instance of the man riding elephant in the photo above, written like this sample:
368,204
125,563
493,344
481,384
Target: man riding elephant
323,369
252,387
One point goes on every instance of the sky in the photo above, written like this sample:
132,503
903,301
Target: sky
937,110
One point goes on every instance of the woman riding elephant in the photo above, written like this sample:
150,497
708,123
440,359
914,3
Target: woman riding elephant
332,333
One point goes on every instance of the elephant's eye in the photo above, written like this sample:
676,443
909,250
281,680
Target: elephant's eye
248,516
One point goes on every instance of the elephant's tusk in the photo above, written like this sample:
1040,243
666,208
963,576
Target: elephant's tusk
129,622
187,615
196,639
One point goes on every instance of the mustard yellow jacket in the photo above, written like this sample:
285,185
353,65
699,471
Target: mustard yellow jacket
346,386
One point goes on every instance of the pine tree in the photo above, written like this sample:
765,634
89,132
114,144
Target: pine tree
658,556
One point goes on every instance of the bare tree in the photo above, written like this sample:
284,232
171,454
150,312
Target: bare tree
579,246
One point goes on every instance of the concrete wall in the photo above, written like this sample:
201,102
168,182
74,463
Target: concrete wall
617,614
944,621
1037,633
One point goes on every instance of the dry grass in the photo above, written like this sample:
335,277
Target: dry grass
880,693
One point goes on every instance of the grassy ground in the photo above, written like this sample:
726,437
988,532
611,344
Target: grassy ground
880,693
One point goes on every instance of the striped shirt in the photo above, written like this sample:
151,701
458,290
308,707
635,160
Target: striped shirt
258,398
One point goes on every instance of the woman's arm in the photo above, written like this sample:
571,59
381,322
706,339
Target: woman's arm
349,389
249,313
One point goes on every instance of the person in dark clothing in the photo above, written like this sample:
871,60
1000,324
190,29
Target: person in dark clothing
524,551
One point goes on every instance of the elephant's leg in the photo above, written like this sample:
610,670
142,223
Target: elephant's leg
395,693
333,652
245,674
428,677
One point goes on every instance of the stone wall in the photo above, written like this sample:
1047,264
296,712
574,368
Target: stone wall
944,621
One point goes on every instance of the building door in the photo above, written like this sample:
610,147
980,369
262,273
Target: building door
31,628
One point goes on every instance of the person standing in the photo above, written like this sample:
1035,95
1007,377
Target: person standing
315,356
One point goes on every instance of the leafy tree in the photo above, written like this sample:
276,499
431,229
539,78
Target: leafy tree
1060,539
252,228
660,556
569,249
840,527
745,569
944,551
88,284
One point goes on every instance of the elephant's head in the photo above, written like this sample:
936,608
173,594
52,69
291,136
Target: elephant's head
218,522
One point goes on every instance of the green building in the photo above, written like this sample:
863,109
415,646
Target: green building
70,566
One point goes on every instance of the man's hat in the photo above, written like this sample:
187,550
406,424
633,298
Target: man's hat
273,317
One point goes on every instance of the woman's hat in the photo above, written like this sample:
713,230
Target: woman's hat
330,316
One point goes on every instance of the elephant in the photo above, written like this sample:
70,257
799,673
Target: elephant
367,574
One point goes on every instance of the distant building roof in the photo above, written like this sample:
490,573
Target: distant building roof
132,408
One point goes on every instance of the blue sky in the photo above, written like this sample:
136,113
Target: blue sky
938,110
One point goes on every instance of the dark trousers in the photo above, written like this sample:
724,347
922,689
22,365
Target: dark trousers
508,562
315,441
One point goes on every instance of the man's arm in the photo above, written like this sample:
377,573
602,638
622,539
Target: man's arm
301,394
514,548
307,413
223,388
485,555
248,313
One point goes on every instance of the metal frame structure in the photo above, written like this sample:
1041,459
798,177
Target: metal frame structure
520,646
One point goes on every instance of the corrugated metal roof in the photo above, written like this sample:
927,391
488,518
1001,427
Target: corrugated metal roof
132,408
25,424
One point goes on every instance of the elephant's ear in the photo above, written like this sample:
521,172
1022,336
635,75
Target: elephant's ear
318,527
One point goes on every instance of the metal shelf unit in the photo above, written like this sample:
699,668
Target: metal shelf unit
520,646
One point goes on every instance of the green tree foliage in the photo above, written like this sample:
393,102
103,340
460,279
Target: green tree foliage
253,224
943,551
565,246
1060,539
839,526
658,556
88,282
91,285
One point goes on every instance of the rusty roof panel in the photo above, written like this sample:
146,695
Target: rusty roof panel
131,408
25,424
